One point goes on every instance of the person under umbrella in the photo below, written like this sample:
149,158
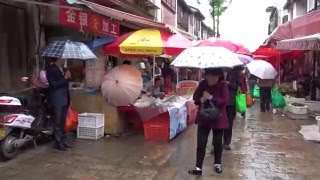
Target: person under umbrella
234,83
58,78
265,86
213,89
266,74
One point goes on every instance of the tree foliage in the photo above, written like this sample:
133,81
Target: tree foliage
218,7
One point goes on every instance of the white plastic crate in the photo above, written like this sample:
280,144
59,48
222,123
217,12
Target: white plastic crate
90,133
92,120
297,109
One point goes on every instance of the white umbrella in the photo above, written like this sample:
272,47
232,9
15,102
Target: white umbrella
207,57
262,69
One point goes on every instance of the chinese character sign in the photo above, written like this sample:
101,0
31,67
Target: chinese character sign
88,21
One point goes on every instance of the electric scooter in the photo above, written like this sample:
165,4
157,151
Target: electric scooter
24,117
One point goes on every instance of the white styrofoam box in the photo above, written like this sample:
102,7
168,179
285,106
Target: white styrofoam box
296,116
92,120
297,109
318,121
90,133
290,100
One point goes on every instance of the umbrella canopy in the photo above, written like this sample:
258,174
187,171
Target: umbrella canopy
245,59
148,42
311,42
122,85
207,57
67,50
100,42
217,42
262,69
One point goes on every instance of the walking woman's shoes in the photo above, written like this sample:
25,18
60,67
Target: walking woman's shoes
196,171
227,147
218,168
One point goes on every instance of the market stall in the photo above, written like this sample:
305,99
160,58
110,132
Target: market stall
162,114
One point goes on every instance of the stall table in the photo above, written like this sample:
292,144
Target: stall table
162,123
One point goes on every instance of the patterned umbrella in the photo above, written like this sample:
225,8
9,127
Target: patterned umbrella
67,50
207,57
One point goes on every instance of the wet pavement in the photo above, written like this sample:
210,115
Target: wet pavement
265,146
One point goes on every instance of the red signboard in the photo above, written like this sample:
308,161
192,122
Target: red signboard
89,21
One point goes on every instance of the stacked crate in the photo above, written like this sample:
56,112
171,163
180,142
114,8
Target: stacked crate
91,126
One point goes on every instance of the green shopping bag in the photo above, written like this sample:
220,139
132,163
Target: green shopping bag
277,99
256,92
241,102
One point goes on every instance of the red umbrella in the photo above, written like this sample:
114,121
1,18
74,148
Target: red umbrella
217,42
302,26
272,52
275,56
148,42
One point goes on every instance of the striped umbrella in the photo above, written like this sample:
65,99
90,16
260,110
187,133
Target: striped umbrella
67,50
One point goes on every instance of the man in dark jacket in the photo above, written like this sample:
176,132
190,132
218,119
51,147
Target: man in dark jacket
59,97
234,83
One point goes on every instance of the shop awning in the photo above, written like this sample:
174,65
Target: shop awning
100,42
121,16
133,19
311,42
301,26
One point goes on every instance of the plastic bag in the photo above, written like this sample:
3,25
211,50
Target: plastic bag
43,77
277,99
72,120
241,103
256,92
249,100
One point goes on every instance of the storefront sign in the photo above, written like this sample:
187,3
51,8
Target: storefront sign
88,21
178,119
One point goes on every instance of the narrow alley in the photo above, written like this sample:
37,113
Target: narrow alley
265,146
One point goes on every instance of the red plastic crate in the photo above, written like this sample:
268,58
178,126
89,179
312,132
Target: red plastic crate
157,128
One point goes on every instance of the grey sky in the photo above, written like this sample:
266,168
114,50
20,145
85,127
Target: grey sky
245,22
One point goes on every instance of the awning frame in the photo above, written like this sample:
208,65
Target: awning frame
311,42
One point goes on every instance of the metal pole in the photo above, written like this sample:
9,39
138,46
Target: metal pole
154,68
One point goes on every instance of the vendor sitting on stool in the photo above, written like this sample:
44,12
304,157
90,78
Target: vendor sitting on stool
158,88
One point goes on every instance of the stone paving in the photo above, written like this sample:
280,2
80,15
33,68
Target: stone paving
265,146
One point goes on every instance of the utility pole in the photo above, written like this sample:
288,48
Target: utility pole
315,4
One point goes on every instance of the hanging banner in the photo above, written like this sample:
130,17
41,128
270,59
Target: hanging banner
89,22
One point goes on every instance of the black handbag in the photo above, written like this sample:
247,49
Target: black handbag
208,111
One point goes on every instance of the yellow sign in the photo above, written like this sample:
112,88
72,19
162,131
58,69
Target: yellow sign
145,41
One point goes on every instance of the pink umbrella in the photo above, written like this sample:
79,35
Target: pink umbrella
122,85
217,42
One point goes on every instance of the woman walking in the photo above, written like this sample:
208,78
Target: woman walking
265,86
213,89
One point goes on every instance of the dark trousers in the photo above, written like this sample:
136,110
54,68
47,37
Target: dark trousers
227,133
59,117
265,98
202,139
